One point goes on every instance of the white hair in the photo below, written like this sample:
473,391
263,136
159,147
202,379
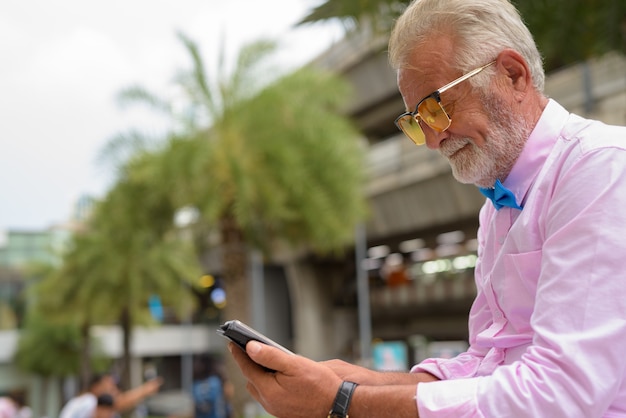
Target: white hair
481,29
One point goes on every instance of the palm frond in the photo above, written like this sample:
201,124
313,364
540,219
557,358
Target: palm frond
139,95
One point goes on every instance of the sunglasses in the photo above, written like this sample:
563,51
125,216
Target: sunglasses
430,111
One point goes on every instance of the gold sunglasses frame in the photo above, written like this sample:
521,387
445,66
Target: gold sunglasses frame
437,96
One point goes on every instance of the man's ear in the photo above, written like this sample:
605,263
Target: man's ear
516,71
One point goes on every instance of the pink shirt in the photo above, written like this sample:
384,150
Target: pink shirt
548,326
8,408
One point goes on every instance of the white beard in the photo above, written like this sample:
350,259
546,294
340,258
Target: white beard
504,143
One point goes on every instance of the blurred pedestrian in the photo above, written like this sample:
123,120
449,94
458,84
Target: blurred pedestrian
394,270
84,405
13,405
212,392
105,406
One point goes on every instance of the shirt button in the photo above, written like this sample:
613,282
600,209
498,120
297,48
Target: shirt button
501,240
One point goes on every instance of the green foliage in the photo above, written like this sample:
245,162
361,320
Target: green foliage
261,174
275,155
354,13
305,178
48,349
130,252
569,31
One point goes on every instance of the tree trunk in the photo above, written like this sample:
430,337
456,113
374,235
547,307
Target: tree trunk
85,355
126,325
235,270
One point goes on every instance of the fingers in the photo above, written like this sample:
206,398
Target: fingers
298,383
260,360
243,361
253,372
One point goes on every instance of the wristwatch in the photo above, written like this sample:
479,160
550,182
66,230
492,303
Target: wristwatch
342,400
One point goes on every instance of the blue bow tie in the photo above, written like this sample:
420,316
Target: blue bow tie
500,196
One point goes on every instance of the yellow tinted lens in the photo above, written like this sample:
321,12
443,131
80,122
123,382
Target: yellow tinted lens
433,114
412,129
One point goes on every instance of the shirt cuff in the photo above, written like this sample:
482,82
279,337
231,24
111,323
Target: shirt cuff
431,367
448,398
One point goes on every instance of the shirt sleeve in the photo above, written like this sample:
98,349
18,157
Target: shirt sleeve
82,406
7,408
575,364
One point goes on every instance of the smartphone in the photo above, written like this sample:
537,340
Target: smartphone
240,334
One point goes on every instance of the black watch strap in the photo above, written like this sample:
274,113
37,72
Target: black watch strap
342,400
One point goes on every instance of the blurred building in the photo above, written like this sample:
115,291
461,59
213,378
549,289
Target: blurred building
22,250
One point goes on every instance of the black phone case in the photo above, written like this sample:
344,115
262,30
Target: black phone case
240,334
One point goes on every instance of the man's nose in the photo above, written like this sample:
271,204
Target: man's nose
434,137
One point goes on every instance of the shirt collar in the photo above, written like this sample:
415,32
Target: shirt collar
536,150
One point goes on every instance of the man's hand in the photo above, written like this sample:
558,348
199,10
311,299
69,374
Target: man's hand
300,388
131,398
152,386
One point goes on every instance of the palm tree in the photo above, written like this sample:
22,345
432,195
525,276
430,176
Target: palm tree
62,299
51,350
355,13
262,159
129,253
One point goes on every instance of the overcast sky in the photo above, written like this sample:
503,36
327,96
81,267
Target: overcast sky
64,61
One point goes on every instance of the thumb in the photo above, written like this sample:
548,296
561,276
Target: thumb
270,357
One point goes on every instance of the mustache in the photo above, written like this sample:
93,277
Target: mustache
452,145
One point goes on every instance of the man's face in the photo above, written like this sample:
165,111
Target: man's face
485,136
